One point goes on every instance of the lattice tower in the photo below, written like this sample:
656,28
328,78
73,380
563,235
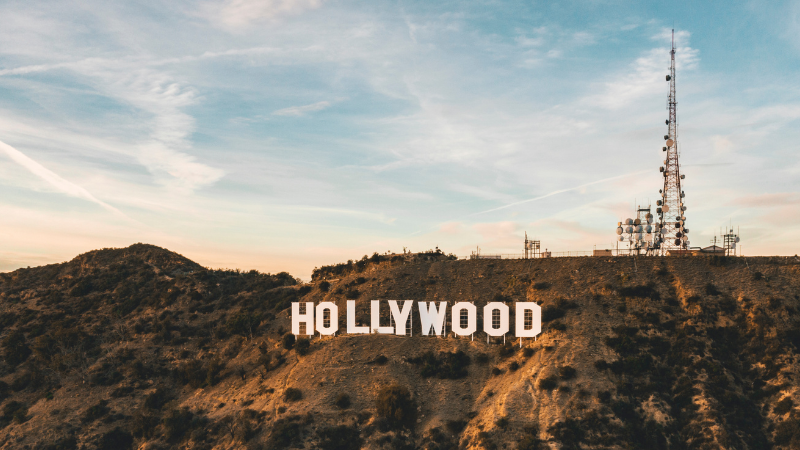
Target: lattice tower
672,221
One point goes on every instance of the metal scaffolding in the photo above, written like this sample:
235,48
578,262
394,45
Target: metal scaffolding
671,209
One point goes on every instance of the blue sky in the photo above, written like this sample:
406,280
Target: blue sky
287,134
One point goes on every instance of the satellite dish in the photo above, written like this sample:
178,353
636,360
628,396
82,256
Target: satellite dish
649,229
663,231
677,242
733,246
670,142
629,229
621,238
637,222
685,238
668,78
628,221
665,208
683,176
619,230
737,239
639,228
650,219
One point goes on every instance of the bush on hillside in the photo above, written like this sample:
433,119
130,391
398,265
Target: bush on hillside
395,405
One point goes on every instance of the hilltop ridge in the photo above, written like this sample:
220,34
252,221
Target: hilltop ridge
143,348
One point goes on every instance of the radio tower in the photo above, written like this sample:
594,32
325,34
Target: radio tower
670,208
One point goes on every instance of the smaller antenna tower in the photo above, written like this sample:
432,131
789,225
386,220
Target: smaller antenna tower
533,248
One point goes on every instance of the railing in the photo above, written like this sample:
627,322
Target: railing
597,253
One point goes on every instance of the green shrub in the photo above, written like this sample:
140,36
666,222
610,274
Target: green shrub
288,341
447,365
144,424
16,411
340,437
548,383
302,346
456,426
243,323
502,422
601,365
246,425
395,405
640,291
116,439
196,374
552,313
711,289
514,366
342,401
285,432
507,349
292,394
567,372
176,423
380,360
97,411
352,294
788,433
64,443
15,349
783,406
324,286
157,399
483,358
541,285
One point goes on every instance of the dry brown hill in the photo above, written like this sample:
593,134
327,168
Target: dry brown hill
142,348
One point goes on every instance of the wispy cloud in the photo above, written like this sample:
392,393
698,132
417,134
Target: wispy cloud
234,14
298,111
54,180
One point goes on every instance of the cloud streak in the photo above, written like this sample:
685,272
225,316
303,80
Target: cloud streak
561,191
54,180
297,111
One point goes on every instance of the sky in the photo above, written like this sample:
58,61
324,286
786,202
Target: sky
282,135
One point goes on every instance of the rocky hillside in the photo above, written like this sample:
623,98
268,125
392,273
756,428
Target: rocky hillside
142,348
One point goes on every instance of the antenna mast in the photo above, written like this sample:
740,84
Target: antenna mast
671,208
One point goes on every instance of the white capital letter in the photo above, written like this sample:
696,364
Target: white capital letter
522,309
351,320
472,318
307,318
488,312
431,317
400,317
375,319
333,310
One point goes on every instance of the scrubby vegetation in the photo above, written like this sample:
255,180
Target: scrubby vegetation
140,347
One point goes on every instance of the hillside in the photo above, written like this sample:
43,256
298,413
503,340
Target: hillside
143,348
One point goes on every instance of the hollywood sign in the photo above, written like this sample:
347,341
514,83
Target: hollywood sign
324,318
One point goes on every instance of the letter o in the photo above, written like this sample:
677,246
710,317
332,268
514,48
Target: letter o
333,327
455,318
488,310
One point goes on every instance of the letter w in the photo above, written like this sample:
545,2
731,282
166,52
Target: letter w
429,316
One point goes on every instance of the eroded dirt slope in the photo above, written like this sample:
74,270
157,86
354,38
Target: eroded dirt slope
142,348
